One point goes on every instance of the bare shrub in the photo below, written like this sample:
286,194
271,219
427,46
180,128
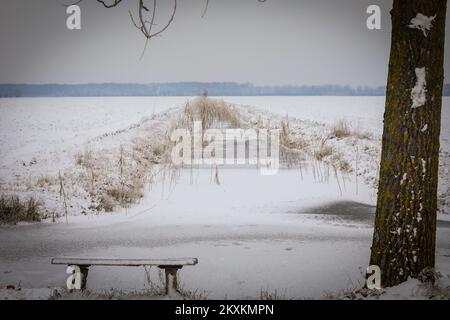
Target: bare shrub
271,296
289,140
45,180
210,112
106,203
14,210
339,162
341,129
116,178
122,195
363,135
84,159
78,159
322,152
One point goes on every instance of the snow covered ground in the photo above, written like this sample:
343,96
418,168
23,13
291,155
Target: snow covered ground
293,232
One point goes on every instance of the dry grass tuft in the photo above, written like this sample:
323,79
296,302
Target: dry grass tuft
270,296
14,210
341,129
338,160
323,152
363,135
193,294
116,179
289,140
211,112
44,181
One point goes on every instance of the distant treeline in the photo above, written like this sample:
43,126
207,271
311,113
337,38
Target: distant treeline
185,89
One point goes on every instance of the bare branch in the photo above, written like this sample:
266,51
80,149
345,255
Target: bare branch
114,4
72,4
206,8
103,2
146,26
143,25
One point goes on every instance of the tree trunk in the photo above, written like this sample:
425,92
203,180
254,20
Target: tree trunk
405,224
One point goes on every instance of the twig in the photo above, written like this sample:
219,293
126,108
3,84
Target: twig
206,9
62,194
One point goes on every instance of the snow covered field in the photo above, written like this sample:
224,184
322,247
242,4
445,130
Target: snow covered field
294,232
32,126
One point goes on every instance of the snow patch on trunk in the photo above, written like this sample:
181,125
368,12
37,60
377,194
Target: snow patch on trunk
422,22
424,128
418,93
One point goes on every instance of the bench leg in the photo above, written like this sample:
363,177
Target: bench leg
84,274
171,279
78,277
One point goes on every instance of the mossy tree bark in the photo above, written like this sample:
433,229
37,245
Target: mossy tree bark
405,223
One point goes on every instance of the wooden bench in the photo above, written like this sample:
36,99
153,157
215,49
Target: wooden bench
170,266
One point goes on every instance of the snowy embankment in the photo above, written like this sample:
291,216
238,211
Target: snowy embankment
96,152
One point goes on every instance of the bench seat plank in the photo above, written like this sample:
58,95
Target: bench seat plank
124,262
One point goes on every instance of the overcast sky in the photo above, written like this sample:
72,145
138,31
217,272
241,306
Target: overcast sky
276,42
